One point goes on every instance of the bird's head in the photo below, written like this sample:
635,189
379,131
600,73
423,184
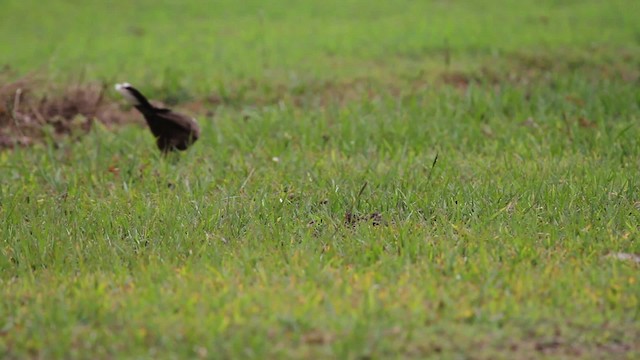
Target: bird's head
129,92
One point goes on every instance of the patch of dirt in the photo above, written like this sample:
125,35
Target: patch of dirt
352,219
596,64
318,337
31,111
527,68
312,93
462,79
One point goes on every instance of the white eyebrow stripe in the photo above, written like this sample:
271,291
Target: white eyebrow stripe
122,88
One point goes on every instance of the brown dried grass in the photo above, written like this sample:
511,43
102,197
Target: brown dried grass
31,110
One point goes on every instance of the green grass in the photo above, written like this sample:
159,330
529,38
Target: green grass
241,248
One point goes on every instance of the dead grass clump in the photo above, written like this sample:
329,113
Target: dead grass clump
31,111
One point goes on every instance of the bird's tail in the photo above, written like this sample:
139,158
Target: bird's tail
134,96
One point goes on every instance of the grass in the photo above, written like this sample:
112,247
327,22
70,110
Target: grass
382,179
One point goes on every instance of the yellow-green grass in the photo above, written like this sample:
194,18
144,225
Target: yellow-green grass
382,179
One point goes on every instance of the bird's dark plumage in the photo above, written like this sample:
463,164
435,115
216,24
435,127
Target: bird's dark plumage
172,130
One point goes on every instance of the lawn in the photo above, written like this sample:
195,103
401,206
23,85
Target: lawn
374,179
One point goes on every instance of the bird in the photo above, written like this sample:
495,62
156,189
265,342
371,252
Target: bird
172,130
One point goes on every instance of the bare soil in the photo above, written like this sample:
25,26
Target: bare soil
31,111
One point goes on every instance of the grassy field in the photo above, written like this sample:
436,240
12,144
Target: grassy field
375,179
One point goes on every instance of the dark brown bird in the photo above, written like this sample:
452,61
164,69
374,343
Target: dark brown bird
172,130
